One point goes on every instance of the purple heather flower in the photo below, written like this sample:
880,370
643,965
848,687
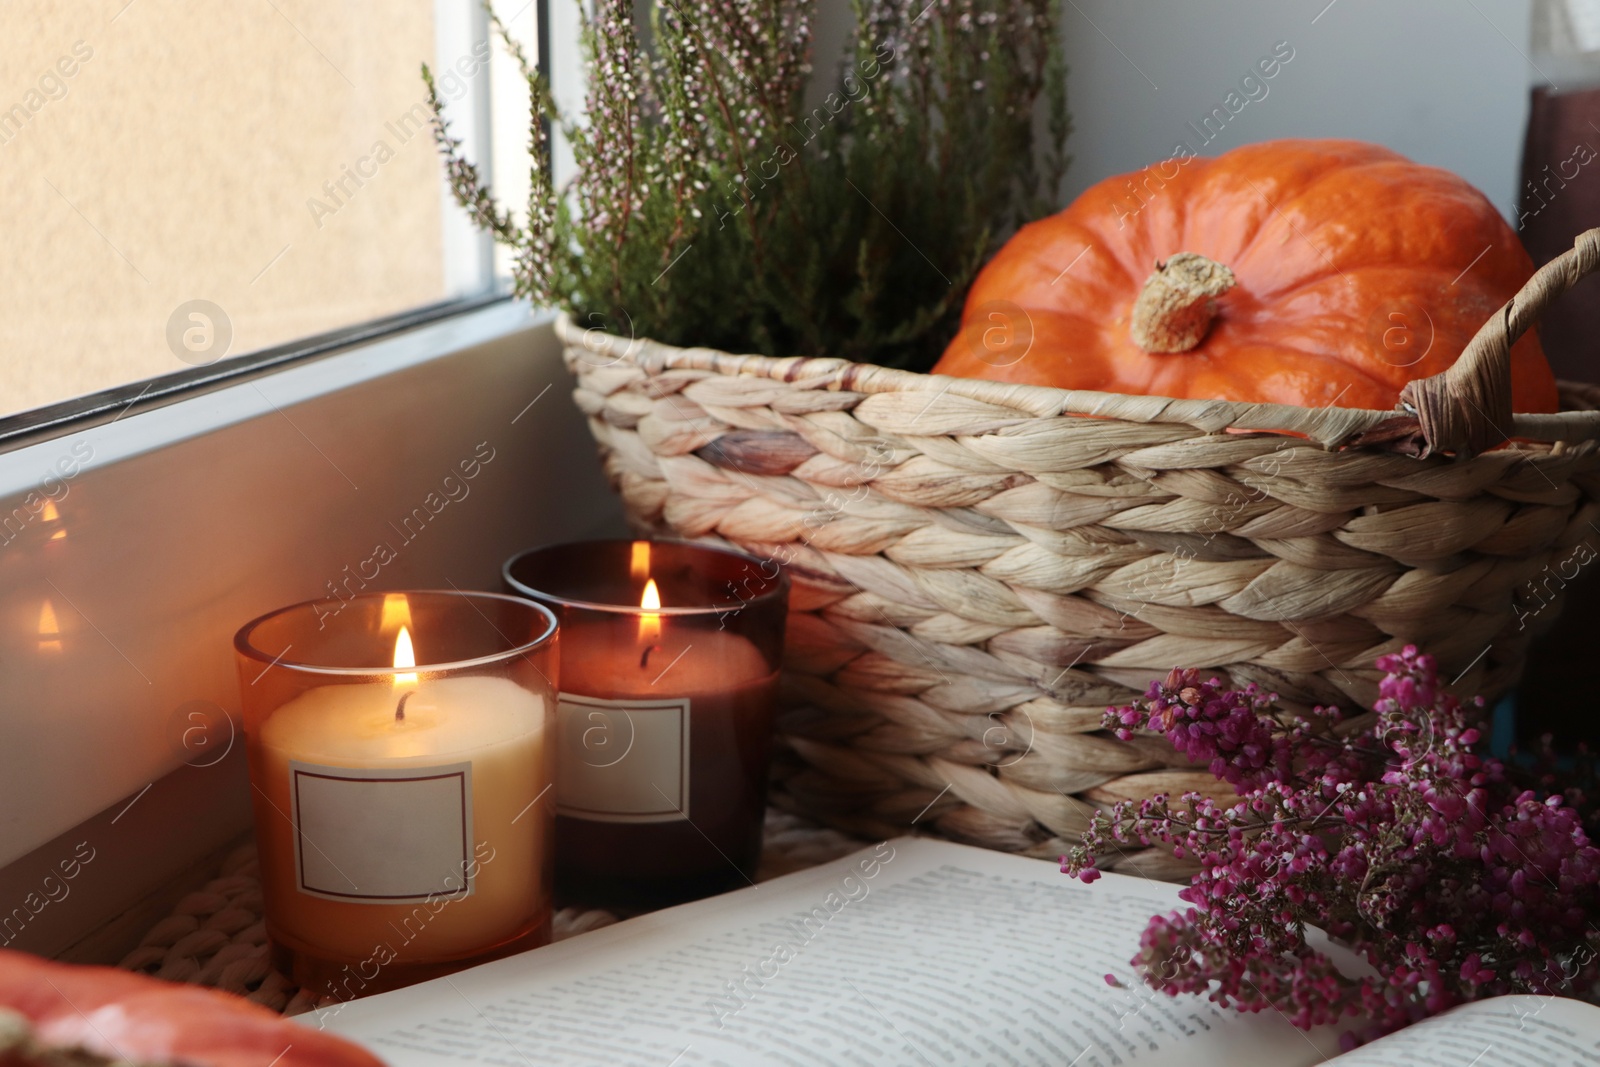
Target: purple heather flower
1400,841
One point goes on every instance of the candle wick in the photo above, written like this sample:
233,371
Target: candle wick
400,708
644,658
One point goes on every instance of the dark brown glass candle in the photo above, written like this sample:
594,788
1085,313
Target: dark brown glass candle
669,670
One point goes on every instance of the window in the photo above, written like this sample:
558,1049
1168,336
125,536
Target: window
188,182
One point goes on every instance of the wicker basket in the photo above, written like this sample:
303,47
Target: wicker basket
980,569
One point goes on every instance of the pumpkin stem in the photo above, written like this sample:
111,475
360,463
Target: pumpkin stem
1177,303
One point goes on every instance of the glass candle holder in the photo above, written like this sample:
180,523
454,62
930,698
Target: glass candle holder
398,755
669,673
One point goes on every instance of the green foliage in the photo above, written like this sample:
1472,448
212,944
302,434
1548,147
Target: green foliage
716,203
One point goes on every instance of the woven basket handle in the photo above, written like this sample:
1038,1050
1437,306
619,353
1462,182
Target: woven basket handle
1466,409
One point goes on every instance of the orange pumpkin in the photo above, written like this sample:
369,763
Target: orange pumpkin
104,1015
1318,273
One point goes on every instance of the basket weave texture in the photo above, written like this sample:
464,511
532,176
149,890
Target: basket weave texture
979,569
216,937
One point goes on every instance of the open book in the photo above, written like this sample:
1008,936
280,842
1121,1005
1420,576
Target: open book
913,952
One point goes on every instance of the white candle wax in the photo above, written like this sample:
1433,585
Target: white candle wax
490,724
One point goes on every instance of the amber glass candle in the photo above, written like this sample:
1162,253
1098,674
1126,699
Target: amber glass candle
399,753
669,671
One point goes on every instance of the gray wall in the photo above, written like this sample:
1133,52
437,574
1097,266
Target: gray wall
1442,81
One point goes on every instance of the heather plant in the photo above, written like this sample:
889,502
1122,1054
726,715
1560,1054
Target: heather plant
1400,841
720,199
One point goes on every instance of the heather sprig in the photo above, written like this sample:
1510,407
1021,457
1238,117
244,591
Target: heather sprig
1400,841
723,197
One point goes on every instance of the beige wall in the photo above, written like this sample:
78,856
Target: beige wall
180,158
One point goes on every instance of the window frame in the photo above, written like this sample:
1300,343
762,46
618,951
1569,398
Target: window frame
67,417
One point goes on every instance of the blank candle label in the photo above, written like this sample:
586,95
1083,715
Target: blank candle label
622,760
382,835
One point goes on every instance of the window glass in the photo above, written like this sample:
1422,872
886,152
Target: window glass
188,181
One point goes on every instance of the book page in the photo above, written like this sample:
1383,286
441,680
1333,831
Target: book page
1522,1031
913,952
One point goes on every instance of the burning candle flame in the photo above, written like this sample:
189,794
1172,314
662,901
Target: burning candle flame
649,621
404,656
